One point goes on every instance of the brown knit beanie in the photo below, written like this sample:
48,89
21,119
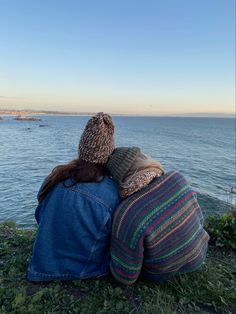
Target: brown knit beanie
97,141
121,161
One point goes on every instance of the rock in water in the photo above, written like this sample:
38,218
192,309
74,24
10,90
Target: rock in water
25,118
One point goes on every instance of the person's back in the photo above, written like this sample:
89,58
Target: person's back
76,206
74,231
162,229
157,230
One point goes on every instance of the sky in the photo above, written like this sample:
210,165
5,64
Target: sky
118,56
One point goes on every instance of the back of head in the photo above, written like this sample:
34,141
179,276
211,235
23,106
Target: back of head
95,146
121,161
97,140
132,169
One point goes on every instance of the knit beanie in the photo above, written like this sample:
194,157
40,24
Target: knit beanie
121,161
97,141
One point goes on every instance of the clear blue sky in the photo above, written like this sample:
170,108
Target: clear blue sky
123,56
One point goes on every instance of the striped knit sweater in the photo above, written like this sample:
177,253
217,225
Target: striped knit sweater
158,232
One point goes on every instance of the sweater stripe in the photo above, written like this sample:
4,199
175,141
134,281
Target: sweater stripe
167,223
177,226
135,200
147,218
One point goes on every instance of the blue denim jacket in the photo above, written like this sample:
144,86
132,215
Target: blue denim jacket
73,238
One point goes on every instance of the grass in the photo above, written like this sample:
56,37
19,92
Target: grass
222,229
210,290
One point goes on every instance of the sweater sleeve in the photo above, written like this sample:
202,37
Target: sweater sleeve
126,263
198,209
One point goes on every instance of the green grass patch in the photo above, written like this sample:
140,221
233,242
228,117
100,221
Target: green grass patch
210,290
222,229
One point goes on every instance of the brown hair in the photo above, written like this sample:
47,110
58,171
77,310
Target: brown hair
78,170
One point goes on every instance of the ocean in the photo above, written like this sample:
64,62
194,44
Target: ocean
203,149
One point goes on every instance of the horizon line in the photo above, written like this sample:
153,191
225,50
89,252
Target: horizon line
186,114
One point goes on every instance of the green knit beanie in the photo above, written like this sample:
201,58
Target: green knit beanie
121,161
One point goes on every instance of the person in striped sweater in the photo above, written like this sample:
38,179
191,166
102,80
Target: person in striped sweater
158,227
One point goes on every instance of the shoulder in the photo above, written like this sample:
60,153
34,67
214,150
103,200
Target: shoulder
103,195
170,180
134,209
104,192
170,176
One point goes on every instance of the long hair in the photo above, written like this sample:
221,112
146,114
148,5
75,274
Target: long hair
141,162
78,170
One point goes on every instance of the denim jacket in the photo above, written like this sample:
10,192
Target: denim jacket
73,237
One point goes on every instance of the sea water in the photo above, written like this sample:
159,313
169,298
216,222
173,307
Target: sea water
203,149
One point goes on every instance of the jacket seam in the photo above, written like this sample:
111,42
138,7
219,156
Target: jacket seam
94,245
95,198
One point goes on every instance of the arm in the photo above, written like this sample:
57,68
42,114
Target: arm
126,263
198,209
38,208
41,188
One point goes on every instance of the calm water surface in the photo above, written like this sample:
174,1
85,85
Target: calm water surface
202,148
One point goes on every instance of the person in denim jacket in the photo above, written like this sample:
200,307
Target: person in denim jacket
75,210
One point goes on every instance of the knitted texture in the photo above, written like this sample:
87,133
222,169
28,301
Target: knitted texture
121,160
97,140
157,232
139,181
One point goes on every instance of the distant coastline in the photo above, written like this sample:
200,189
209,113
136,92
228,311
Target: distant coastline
41,112
53,112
